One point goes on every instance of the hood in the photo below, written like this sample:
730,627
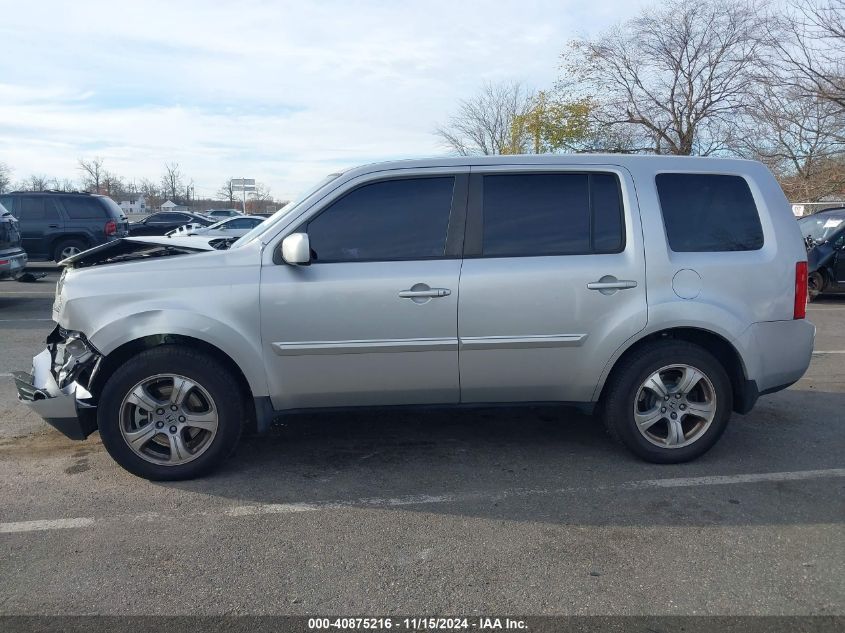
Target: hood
135,248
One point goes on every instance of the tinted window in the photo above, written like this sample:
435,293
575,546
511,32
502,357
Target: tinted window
241,223
551,214
38,208
606,199
167,217
393,219
8,202
81,208
707,213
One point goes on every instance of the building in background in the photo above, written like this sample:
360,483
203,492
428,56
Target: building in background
137,204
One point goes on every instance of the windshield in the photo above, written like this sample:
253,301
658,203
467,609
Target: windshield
281,213
821,227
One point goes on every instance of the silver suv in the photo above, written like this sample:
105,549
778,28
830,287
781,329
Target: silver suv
663,292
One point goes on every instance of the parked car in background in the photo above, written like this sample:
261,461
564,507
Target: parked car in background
219,214
230,227
824,233
56,225
165,221
12,256
663,292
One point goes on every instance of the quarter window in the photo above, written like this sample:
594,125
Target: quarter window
388,220
709,213
81,208
551,214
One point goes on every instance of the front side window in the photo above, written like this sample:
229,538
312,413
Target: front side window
389,220
551,214
708,213
81,208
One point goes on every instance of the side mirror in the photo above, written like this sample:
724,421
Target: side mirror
296,249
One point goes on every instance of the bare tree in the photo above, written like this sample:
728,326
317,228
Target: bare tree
5,178
260,199
801,137
484,124
809,39
172,181
92,173
675,76
226,192
35,182
113,185
64,184
151,192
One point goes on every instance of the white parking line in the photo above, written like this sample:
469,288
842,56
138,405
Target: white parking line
421,500
53,524
830,351
20,320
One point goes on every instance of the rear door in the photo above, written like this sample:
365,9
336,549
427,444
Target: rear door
40,223
553,281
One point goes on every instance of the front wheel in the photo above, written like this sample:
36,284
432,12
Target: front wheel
669,403
170,413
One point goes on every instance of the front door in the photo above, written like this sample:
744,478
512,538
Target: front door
553,282
373,319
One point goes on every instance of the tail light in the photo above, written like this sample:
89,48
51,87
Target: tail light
800,291
110,228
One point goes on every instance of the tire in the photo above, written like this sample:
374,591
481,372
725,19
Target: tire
183,443
66,248
815,285
701,413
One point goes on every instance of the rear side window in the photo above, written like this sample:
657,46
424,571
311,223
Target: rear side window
37,208
388,220
709,213
82,208
8,202
551,214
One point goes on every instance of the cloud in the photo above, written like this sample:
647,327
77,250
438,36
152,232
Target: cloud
281,91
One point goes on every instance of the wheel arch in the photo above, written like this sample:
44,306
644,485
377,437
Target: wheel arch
744,390
67,237
121,354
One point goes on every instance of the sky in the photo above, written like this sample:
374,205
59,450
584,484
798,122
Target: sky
283,92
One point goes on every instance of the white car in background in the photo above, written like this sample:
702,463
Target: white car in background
230,227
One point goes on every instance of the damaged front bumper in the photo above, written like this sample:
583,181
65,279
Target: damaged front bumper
55,389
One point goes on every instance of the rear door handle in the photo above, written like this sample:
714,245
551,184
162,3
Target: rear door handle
621,284
609,285
429,292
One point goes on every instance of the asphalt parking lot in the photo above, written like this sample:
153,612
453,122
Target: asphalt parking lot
492,511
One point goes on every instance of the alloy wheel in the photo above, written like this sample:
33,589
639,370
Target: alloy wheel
168,419
675,406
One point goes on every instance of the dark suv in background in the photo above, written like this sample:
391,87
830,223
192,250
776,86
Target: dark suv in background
12,256
55,225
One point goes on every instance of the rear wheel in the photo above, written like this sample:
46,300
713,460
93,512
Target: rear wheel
670,403
68,248
170,413
815,285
